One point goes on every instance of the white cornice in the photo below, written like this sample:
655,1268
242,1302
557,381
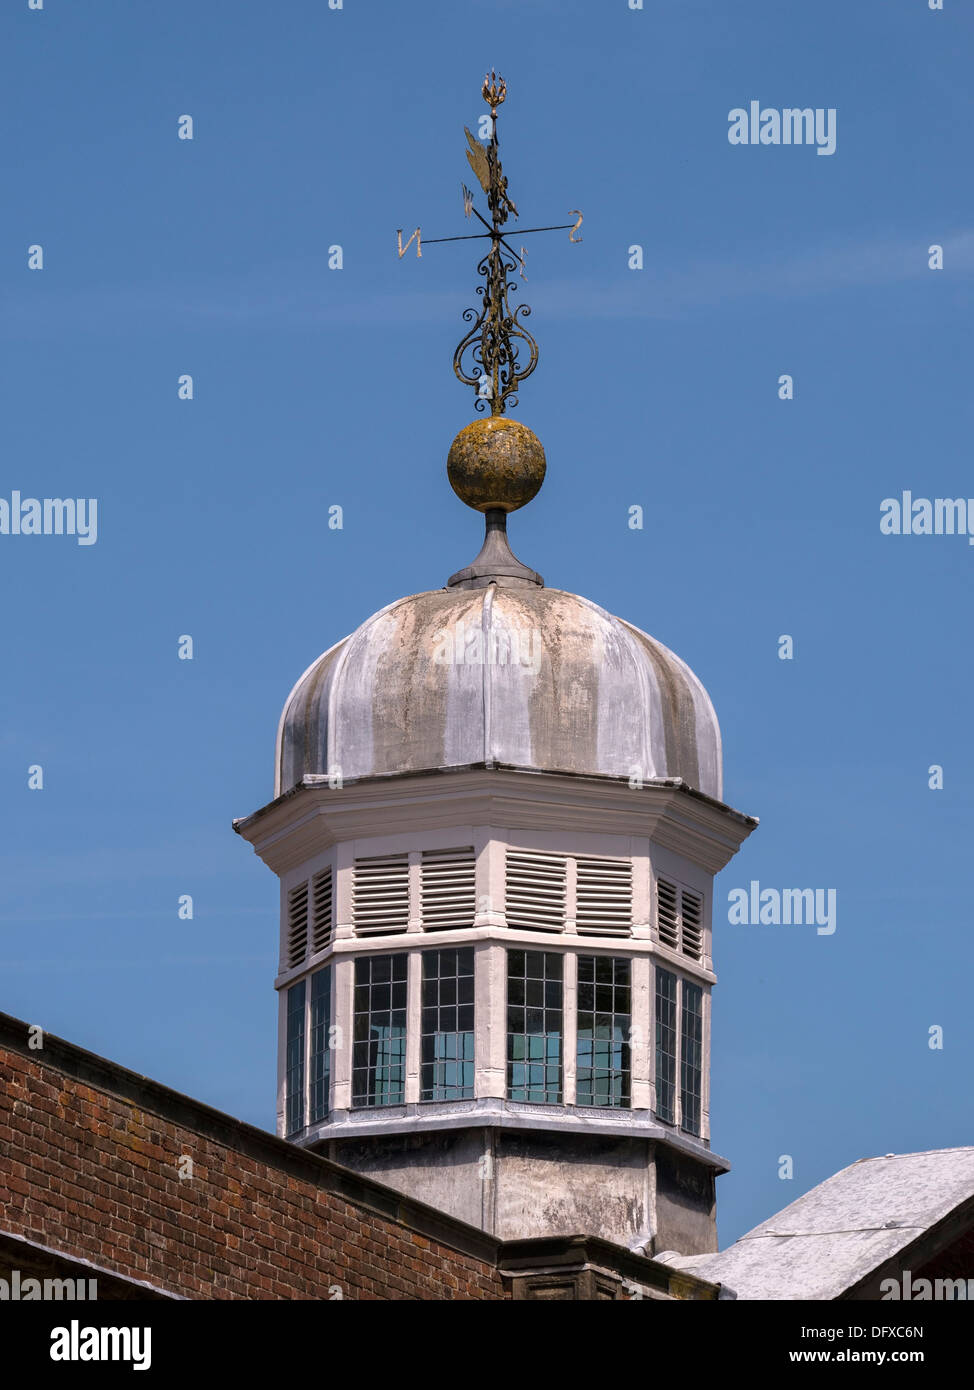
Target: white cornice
315,816
499,1114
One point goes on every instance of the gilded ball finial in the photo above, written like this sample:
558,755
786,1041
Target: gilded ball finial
496,464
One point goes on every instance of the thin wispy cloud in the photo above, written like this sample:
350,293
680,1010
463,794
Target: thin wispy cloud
710,284
303,295
111,963
57,918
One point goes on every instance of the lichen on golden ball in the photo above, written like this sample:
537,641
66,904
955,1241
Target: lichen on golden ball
496,464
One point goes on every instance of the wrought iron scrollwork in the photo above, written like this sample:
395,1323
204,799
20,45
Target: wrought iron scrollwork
490,357
498,352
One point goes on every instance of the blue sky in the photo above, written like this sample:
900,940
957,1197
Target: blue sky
659,388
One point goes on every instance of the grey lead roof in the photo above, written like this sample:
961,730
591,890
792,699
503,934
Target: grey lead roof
532,677
837,1234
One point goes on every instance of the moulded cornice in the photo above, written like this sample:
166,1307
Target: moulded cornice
499,1114
315,815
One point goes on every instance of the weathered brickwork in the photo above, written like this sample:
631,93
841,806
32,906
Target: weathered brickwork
93,1170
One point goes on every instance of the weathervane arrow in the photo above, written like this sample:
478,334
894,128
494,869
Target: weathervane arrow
488,357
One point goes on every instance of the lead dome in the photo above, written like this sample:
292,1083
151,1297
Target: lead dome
526,677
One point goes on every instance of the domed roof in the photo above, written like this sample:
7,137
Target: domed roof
526,676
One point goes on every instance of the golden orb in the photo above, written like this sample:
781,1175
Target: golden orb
496,464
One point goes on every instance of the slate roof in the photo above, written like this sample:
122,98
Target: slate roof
837,1234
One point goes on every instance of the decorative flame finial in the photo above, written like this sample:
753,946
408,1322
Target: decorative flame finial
494,91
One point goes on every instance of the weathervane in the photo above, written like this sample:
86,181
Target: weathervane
488,358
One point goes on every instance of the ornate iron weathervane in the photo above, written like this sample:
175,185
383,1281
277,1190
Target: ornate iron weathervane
489,357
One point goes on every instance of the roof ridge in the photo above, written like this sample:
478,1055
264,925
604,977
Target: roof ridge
915,1153
839,1231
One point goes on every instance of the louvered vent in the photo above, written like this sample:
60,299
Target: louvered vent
297,925
668,913
321,910
536,891
691,908
680,918
448,892
603,897
380,894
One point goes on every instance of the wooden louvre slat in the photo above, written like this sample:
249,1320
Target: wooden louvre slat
297,925
448,890
691,912
668,913
679,918
603,893
321,910
380,894
536,887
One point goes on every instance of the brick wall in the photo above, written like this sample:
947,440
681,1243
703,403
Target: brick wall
90,1159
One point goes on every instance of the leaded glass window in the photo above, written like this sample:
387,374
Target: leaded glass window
379,1041
665,1045
604,1024
534,1026
320,1051
294,1062
691,1057
447,1033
